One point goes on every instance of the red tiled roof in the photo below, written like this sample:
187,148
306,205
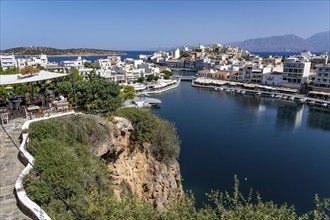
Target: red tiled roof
204,71
222,73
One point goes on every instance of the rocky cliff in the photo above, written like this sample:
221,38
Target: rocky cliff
136,171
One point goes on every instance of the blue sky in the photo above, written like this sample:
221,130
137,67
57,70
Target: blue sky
141,25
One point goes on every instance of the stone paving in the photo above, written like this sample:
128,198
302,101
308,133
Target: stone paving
10,168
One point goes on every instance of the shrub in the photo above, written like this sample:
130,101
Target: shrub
161,134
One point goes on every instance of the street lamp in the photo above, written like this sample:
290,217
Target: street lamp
74,88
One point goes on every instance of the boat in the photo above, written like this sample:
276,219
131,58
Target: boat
284,97
243,92
312,102
292,98
324,104
278,96
302,100
258,93
272,95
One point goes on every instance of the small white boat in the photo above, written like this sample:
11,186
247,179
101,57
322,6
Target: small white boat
312,102
278,96
272,95
292,98
243,92
302,100
284,97
324,104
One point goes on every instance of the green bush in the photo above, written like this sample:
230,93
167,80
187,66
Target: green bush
161,134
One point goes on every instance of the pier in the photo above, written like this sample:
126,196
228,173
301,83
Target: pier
185,78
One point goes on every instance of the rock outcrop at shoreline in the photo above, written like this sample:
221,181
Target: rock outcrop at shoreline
135,170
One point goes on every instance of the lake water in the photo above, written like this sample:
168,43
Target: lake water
280,147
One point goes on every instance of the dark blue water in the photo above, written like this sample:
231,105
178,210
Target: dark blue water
129,54
282,148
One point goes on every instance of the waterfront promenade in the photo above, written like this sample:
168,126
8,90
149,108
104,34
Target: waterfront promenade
274,94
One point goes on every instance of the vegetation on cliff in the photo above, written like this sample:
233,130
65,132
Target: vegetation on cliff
63,148
161,134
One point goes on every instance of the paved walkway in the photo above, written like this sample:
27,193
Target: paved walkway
10,168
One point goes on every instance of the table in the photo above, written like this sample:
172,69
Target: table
33,108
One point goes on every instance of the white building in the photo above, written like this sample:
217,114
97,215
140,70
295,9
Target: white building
322,77
104,64
272,78
41,60
306,54
176,53
202,63
295,72
21,62
78,63
8,61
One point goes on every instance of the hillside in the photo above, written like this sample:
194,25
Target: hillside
59,52
286,43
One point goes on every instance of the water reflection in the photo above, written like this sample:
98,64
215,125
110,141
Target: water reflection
318,118
289,115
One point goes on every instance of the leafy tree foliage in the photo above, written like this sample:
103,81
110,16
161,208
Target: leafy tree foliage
141,79
167,73
88,65
94,94
127,92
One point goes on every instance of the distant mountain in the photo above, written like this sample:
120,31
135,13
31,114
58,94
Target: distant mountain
320,41
287,43
59,52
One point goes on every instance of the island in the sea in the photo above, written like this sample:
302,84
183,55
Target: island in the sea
36,50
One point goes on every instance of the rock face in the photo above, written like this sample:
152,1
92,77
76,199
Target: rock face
136,171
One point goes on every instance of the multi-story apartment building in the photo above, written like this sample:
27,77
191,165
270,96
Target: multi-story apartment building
295,72
322,76
8,61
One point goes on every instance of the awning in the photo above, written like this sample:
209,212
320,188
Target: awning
19,78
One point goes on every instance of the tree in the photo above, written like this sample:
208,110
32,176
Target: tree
88,65
150,78
29,70
127,92
167,72
141,79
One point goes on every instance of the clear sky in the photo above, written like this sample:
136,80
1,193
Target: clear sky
141,25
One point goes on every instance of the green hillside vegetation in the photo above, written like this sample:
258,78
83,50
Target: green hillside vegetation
62,148
59,52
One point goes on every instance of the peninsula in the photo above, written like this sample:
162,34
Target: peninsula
36,50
